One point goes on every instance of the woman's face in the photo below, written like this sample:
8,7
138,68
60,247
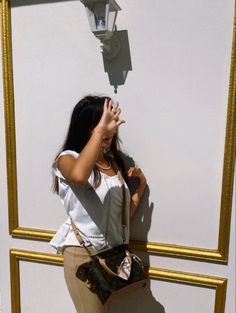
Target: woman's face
106,142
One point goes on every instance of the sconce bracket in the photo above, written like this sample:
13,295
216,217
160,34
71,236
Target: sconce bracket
110,48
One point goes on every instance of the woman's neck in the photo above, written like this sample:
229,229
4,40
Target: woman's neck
101,157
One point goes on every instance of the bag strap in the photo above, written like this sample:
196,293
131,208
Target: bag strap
80,239
77,234
124,214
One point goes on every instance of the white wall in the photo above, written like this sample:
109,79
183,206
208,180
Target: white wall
174,102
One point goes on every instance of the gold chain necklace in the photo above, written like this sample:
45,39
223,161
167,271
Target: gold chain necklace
104,168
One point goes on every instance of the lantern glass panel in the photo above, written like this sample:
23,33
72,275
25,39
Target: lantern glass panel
112,20
91,20
100,23
101,11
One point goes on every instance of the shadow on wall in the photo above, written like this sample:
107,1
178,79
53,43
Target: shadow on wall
118,68
141,222
141,301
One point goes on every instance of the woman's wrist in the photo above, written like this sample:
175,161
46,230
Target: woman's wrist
141,190
142,185
137,196
99,130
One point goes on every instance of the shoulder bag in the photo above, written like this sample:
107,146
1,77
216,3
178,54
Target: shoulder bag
113,272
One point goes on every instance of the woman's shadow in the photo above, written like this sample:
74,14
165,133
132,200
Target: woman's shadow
142,300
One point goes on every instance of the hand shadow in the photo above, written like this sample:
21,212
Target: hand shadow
141,222
142,300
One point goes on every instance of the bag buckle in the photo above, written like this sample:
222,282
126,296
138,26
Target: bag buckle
90,249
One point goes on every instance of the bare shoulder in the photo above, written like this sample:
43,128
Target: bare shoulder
65,162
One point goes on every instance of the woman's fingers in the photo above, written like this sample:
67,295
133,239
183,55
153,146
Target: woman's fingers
130,171
134,171
116,115
119,122
110,105
105,106
110,118
115,107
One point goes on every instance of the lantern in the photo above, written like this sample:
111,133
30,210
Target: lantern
102,17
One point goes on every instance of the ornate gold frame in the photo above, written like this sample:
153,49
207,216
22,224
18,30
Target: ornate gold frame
217,255
217,283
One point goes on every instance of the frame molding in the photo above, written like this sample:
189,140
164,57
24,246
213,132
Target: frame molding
217,283
219,255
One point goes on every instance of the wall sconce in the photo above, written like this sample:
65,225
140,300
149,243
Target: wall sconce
102,19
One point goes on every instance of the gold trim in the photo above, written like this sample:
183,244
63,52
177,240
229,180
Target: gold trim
177,251
32,233
217,283
24,255
153,248
217,255
8,89
229,157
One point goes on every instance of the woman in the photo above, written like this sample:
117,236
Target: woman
87,181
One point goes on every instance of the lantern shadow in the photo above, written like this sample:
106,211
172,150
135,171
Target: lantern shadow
118,68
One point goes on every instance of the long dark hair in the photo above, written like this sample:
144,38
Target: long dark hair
84,118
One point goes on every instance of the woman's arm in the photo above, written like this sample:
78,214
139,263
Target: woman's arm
139,180
78,170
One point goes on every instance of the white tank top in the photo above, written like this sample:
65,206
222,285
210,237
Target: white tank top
97,213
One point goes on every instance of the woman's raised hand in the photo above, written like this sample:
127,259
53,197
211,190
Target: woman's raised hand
135,173
137,184
110,121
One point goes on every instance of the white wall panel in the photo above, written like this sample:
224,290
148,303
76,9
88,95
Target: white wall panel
202,299
43,289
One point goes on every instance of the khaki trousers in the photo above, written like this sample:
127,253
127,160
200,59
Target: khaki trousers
84,300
